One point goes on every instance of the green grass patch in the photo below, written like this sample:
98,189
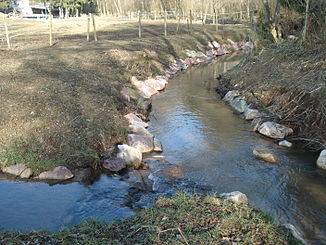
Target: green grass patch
183,219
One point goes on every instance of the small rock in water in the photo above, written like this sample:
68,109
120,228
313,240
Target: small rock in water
114,164
235,196
264,155
285,143
321,162
15,170
130,155
58,173
157,145
274,130
144,144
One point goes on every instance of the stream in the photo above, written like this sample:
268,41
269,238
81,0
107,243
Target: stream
211,144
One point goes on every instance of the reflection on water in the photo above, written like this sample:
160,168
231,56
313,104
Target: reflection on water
34,206
214,146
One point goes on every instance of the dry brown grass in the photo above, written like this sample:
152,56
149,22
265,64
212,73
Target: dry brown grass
61,104
289,82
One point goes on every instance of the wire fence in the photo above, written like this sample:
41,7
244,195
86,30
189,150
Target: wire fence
10,30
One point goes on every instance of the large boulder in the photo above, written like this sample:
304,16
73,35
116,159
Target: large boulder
239,104
235,196
143,143
26,174
15,170
114,164
135,120
139,129
264,155
130,155
144,90
274,130
321,162
157,84
58,173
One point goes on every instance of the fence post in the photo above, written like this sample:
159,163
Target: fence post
216,22
7,32
165,24
94,27
88,27
178,26
190,19
50,29
139,24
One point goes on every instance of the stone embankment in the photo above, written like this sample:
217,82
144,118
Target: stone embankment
261,124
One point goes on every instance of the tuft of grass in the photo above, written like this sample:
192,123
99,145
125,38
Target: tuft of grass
183,219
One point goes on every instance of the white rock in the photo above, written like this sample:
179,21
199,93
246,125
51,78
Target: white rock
157,145
27,173
274,130
130,155
231,95
144,144
15,170
321,162
210,45
251,114
134,120
285,143
264,155
235,196
58,173
144,90
155,84
216,44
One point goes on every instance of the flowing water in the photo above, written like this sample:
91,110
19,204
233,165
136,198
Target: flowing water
214,146
211,144
34,206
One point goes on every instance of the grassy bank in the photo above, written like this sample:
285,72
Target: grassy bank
184,219
288,81
61,105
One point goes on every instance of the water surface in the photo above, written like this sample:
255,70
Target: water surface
214,146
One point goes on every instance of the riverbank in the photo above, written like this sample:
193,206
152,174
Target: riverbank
183,219
287,84
62,104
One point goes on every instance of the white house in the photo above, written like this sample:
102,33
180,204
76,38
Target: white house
30,8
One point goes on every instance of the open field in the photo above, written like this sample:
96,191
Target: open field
61,104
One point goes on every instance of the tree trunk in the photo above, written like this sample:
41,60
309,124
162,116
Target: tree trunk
277,17
304,31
